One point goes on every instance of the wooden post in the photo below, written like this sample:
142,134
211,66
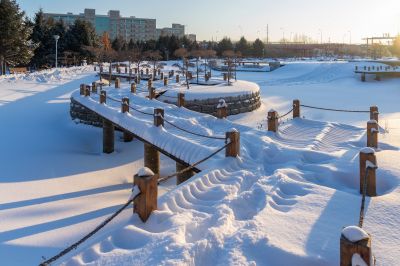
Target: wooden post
133,88
128,137
222,109
117,83
181,99
87,91
103,97
233,149
82,89
374,113
152,93
146,202
165,81
147,71
151,158
372,134
125,105
363,77
94,87
272,120
180,178
149,84
349,248
368,154
158,117
296,108
177,78
108,136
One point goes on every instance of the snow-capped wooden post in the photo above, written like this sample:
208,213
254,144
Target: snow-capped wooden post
372,133
125,105
133,87
108,136
296,108
152,93
355,247
87,91
158,117
94,87
149,84
117,83
146,202
128,137
181,99
82,89
368,158
233,149
272,120
177,78
180,178
165,81
222,109
103,97
374,113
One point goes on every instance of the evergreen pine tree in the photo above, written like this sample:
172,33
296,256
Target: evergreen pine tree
15,47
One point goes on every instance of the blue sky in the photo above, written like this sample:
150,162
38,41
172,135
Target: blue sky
214,19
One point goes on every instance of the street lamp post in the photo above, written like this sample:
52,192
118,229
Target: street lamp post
56,37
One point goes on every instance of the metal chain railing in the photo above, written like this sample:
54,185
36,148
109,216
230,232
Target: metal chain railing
163,179
334,110
87,236
282,116
364,193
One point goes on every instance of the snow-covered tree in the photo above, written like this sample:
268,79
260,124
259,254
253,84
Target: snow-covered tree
15,30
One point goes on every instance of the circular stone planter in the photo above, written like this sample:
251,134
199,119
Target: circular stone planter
240,96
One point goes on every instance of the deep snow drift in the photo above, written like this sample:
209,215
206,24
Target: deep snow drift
283,203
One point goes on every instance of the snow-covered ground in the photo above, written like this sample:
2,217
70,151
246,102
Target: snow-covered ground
284,203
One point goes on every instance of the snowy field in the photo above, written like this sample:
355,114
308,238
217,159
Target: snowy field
284,203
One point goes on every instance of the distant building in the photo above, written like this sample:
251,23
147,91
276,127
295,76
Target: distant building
177,30
191,37
141,29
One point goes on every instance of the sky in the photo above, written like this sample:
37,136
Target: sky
334,21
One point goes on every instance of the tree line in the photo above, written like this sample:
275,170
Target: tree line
25,42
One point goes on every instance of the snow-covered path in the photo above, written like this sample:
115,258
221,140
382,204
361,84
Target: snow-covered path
283,203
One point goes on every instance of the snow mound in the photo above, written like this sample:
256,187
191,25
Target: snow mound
354,233
144,171
356,260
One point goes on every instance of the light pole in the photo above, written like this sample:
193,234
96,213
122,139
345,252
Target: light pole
56,37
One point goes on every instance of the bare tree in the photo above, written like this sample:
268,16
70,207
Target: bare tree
183,53
154,57
208,54
229,60
197,54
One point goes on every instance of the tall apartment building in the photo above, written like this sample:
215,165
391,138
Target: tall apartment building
177,30
142,29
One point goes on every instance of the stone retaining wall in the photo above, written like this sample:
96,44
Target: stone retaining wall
81,114
236,105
